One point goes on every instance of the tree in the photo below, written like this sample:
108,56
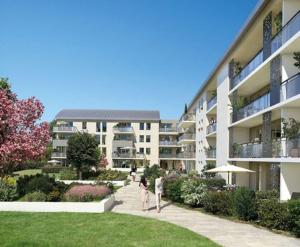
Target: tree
185,109
208,166
82,152
21,137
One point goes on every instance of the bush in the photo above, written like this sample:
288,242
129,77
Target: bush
193,192
172,189
38,182
36,196
51,169
7,189
90,174
219,202
112,175
152,171
245,204
271,194
86,193
214,183
273,214
67,174
294,212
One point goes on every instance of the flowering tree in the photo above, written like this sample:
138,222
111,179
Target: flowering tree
21,137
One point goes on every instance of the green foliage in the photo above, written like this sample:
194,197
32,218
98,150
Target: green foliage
67,174
278,22
214,183
245,204
7,189
290,128
219,202
273,214
152,171
271,194
297,59
36,196
51,169
294,212
193,192
208,166
112,175
83,151
172,189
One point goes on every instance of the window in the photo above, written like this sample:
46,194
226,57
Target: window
98,127
148,151
141,150
103,126
97,137
148,126
142,138
142,126
84,125
103,139
148,138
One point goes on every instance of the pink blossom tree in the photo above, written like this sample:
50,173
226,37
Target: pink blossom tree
22,137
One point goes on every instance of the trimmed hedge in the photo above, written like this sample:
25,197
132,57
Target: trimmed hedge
294,211
219,202
244,204
172,189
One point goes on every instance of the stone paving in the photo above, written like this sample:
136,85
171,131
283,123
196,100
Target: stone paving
221,231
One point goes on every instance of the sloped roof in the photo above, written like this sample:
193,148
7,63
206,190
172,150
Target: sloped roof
108,115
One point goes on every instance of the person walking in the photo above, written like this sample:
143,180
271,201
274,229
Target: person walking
133,173
144,193
158,191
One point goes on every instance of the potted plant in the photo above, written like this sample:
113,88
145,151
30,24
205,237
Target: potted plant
290,131
278,22
297,59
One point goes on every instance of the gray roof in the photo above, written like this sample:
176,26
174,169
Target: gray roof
108,115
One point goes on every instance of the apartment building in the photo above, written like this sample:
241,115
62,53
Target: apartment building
239,110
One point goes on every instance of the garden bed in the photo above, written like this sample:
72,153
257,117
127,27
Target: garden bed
116,183
75,207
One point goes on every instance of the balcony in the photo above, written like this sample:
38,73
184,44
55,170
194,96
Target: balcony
123,130
60,143
186,155
211,102
290,87
168,130
167,156
211,128
127,156
64,129
187,138
255,106
58,155
187,121
168,143
287,32
211,153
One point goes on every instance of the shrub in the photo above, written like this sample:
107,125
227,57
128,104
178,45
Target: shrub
112,175
67,174
273,214
214,183
90,174
51,169
271,194
172,189
85,193
294,212
36,196
38,182
193,192
152,171
219,202
245,204
7,189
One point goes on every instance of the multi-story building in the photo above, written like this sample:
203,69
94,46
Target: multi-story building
240,107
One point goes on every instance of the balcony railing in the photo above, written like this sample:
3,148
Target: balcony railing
186,155
167,156
167,143
290,87
188,117
168,129
123,129
64,129
211,128
287,32
211,153
187,137
128,155
211,102
60,143
58,155
255,106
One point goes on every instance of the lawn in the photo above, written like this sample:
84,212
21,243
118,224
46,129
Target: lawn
107,229
29,172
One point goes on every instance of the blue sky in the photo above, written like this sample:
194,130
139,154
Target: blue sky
115,54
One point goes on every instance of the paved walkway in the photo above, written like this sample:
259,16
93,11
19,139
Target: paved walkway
221,231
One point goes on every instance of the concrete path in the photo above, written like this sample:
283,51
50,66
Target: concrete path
221,231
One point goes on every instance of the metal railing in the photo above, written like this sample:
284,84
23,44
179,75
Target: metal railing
167,156
128,155
188,117
290,87
187,137
186,155
64,129
211,102
168,129
255,106
58,155
211,128
128,129
167,143
211,153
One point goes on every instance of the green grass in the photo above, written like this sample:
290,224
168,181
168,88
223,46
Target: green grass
29,172
107,229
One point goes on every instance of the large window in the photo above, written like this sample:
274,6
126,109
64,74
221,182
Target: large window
142,126
104,127
84,125
141,150
148,151
148,138
148,126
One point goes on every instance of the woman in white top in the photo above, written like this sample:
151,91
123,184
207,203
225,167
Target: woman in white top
158,192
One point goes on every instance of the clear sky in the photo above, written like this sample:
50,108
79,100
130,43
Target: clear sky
115,54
